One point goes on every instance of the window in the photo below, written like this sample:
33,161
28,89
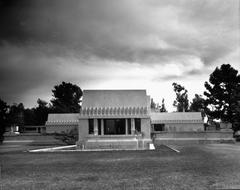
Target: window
159,127
90,126
138,125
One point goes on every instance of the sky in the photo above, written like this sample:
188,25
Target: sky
112,44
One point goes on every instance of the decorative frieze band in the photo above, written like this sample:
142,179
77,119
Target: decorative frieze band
113,111
175,121
63,122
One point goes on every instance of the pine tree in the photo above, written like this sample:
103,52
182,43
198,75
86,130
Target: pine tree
66,98
163,107
221,90
181,102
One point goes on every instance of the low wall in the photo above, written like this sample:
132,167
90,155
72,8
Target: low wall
34,139
34,129
114,142
192,137
184,127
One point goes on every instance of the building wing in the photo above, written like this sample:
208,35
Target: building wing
176,117
62,119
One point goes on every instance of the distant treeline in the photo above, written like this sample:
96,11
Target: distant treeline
221,101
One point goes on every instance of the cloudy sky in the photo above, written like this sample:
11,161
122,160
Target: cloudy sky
112,44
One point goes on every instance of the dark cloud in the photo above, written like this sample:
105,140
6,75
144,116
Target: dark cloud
44,41
21,70
113,30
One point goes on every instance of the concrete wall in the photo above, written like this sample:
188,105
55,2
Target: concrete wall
146,128
83,129
59,128
98,144
116,142
189,134
171,127
193,137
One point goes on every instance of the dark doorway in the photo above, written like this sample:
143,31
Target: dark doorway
159,127
129,126
99,126
138,125
90,127
114,127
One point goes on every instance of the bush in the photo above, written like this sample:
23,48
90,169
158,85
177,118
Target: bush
69,137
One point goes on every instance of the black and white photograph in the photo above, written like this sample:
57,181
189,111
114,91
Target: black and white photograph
119,94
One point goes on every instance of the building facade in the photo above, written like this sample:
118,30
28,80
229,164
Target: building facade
114,119
120,119
177,121
58,123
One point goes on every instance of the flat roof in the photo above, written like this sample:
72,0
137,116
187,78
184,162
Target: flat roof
62,118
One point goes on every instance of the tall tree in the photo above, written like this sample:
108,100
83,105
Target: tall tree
3,118
197,104
41,112
152,104
16,115
236,110
29,116
181,102
223,83
66,98
163,107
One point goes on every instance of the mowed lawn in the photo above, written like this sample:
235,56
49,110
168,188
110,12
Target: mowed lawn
195,167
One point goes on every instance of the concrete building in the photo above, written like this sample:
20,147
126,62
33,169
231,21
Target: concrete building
58,123
177,121
122,119
115,119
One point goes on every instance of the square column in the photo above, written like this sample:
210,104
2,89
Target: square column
102,127
126,126
95,123
132,126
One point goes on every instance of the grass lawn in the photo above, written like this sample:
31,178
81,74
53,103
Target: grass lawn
195,167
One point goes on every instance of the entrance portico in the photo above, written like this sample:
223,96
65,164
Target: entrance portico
120,126
114,118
